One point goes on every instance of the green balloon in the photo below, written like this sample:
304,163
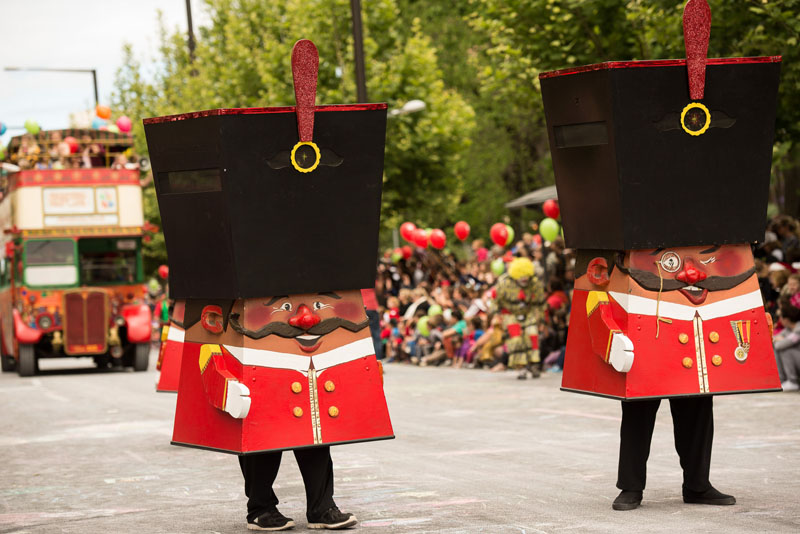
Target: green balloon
435,309
2,154
113,128
32,127
396,256
498,266
422,326
510,238
549,229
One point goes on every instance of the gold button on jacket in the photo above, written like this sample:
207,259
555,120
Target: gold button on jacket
713,337
297,411
687,362
297,387
329,386
333,411
717,360
683,338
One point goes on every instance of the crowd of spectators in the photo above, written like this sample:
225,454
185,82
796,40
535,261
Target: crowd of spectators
778,269
436,308
60,153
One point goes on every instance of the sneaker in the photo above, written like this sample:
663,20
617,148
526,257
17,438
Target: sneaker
271,521
627,500
333,519
710,496
790,386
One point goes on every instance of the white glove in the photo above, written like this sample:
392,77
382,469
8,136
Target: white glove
237,400
621,354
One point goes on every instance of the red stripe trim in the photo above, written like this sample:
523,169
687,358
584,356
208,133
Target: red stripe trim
73,177
261,111
657,63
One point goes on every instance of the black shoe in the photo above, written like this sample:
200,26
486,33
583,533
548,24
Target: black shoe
332,519
271,521
710,496
627,500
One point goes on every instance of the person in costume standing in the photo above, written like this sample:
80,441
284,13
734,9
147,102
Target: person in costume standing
662,170
519,300
269,239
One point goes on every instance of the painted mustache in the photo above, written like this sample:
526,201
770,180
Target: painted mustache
286,330
652,282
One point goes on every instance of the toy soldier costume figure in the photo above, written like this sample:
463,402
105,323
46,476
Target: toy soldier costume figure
519,300
663,169
271,219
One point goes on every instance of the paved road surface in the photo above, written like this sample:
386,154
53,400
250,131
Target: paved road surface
476,452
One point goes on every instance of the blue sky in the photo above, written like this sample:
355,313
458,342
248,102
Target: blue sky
79,34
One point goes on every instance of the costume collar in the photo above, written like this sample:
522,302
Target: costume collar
296,362
634,304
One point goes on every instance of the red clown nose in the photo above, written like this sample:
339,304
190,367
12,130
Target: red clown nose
690,274
304,318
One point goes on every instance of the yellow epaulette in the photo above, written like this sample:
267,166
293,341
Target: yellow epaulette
164,332
594,299
206,351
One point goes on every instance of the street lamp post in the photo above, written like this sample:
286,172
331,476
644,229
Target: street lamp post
46,69
358,51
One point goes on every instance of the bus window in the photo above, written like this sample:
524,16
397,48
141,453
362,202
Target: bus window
50,262
108,261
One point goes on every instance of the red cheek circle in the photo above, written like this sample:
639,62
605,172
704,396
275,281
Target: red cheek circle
729,263
643,261
257,315
349,310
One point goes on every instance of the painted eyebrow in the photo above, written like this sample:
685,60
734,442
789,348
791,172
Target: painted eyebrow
656,251
710,250
273,300
330,294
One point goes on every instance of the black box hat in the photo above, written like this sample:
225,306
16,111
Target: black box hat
270,201
644,159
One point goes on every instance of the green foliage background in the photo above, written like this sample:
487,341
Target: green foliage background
481,140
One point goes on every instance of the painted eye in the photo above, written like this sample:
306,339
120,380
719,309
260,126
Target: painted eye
286,306
670,262
317,305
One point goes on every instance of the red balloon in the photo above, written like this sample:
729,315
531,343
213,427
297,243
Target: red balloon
406,250
438,239
421,238
537,239
163,271
551,209
499,234
462,230
73,144
407,230
507,257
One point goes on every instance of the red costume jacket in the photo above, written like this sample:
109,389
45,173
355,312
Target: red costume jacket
169,359
340,400
718,348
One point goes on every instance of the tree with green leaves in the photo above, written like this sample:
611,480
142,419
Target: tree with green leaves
242,59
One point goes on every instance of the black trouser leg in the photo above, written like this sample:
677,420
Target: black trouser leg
635,435
693,422
259,472
316,467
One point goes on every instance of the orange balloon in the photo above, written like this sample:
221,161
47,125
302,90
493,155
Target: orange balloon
104,112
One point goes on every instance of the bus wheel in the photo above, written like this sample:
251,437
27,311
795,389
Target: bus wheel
27,360
141,356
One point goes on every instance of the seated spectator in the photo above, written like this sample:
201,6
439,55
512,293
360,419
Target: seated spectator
787,343
28,154
94,154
